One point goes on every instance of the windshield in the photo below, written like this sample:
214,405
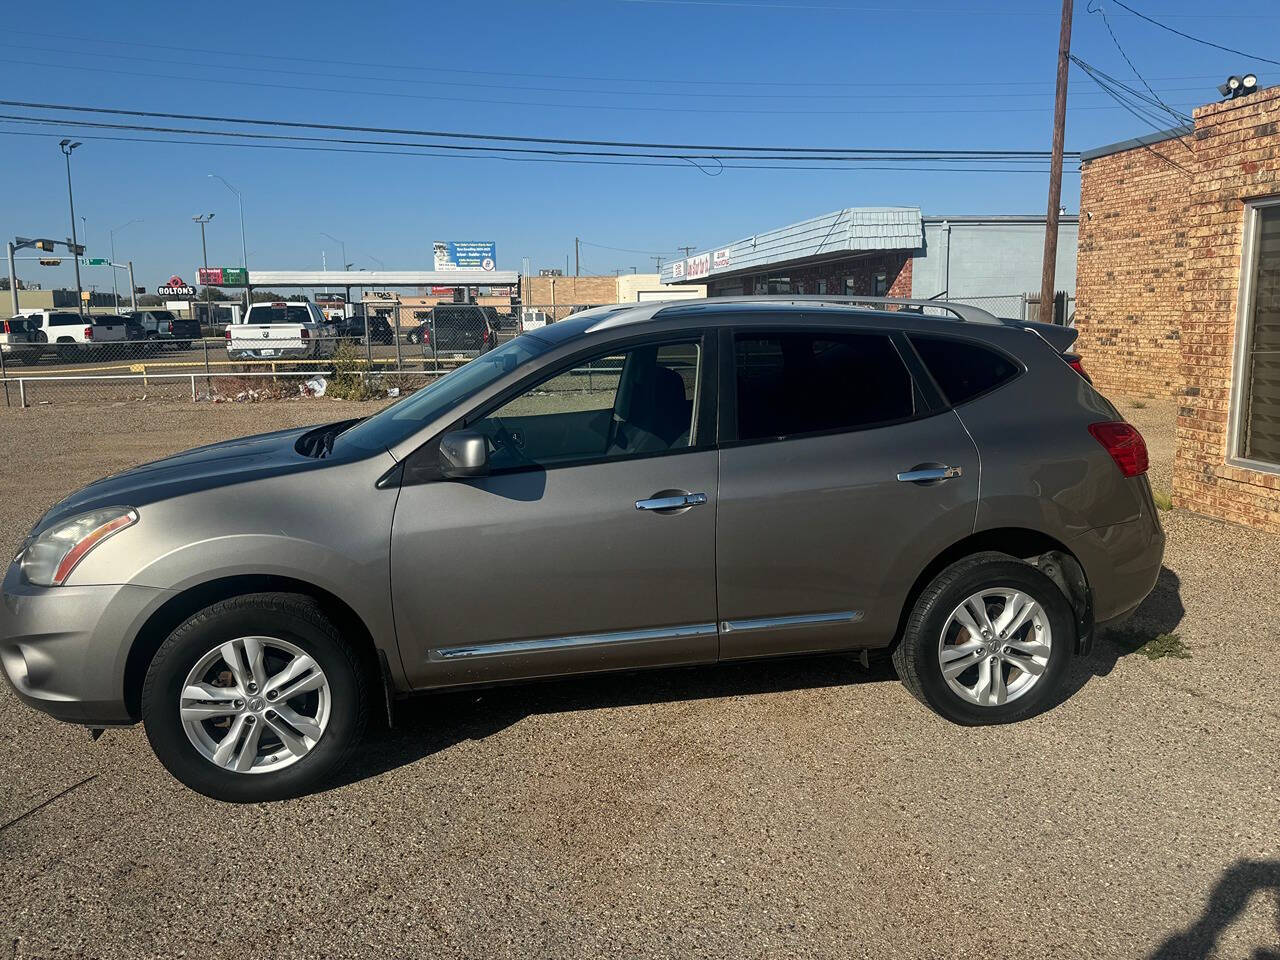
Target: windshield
278,313
395,423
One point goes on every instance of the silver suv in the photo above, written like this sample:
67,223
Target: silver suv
668,484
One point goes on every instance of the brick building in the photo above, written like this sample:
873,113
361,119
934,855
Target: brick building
1180,245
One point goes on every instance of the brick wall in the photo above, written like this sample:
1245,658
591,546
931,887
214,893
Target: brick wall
1237,151
567,292
1131,269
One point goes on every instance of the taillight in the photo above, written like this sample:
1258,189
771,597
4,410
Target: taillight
227,334
88,333
306,334
1074,362
171,326
4,326
1124,443
426,336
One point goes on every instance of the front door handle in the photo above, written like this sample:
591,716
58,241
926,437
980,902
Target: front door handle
929,473
676,501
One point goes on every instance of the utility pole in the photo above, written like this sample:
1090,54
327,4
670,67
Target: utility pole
133,290
658,263
67,146
686,250
576,242
1055,169
13,277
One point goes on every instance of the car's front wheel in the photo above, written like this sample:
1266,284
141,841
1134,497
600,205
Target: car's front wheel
255,698
988,641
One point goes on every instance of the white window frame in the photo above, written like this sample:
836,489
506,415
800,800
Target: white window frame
1244,335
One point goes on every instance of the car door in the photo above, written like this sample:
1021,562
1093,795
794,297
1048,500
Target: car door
840,479
590,543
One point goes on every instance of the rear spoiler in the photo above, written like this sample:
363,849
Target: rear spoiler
1059,337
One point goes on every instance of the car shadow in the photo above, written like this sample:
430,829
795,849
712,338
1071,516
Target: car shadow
1237,886
1161,612
428,724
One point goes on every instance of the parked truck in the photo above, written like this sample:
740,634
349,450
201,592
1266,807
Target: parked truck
290,330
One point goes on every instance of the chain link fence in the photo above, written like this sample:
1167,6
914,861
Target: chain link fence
383,352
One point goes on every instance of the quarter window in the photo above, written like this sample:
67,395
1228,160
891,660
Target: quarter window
801,382
1259,424
629,403
962,369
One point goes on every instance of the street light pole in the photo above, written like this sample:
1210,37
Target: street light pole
115,287
67,146
204,249
244,250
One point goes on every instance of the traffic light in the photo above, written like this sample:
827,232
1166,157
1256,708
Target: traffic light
50,261
45,245
139,289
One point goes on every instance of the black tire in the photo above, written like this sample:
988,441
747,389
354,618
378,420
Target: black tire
289,617
916,657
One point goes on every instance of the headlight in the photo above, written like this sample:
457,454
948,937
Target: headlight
47,560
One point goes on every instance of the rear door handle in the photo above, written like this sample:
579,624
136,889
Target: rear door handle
929,473
674,502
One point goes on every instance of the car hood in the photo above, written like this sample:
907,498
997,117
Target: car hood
215,465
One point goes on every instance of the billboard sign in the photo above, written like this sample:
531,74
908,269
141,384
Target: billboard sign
695,268
466,255
176,287
677,270
720,259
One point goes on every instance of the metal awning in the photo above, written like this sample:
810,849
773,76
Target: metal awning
383,278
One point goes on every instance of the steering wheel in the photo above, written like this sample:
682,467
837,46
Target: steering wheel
502,439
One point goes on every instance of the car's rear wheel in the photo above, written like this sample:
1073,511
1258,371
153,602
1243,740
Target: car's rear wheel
988,641
255,698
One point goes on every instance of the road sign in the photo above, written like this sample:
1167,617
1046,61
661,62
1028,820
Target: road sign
98,261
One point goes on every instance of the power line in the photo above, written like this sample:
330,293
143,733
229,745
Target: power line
1098,7
588,243
491,101
680,81
922,153
470,84
1193,39
1136,111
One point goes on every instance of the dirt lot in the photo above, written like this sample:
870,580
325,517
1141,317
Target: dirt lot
803,808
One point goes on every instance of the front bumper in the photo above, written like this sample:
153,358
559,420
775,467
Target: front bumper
64,649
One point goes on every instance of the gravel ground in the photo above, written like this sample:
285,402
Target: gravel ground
800,808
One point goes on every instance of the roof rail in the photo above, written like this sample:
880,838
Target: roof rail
960,311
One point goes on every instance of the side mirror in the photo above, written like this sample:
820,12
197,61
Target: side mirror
464,453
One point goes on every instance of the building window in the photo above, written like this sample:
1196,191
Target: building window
822,286
1257,423
880,284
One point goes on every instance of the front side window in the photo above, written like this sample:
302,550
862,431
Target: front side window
629,403
799,382
1259,390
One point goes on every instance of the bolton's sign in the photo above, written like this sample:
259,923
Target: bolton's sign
176,287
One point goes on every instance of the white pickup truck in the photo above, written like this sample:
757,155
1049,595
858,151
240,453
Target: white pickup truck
289,330
74,337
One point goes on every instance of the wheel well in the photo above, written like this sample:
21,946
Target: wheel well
173,612
1017,542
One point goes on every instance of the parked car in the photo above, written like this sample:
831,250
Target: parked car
700,482
459,329
17,344
75,337
166,328
353,328
294,329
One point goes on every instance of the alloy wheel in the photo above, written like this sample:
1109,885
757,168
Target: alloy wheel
255,704
995,646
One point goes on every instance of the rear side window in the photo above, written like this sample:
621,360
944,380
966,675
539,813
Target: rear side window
798,382
65,320
962,369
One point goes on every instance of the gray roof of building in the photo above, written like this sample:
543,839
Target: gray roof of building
1135,142
851,230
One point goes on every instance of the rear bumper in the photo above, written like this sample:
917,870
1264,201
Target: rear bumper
64,649
1121,563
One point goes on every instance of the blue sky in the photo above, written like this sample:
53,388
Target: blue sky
895,73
